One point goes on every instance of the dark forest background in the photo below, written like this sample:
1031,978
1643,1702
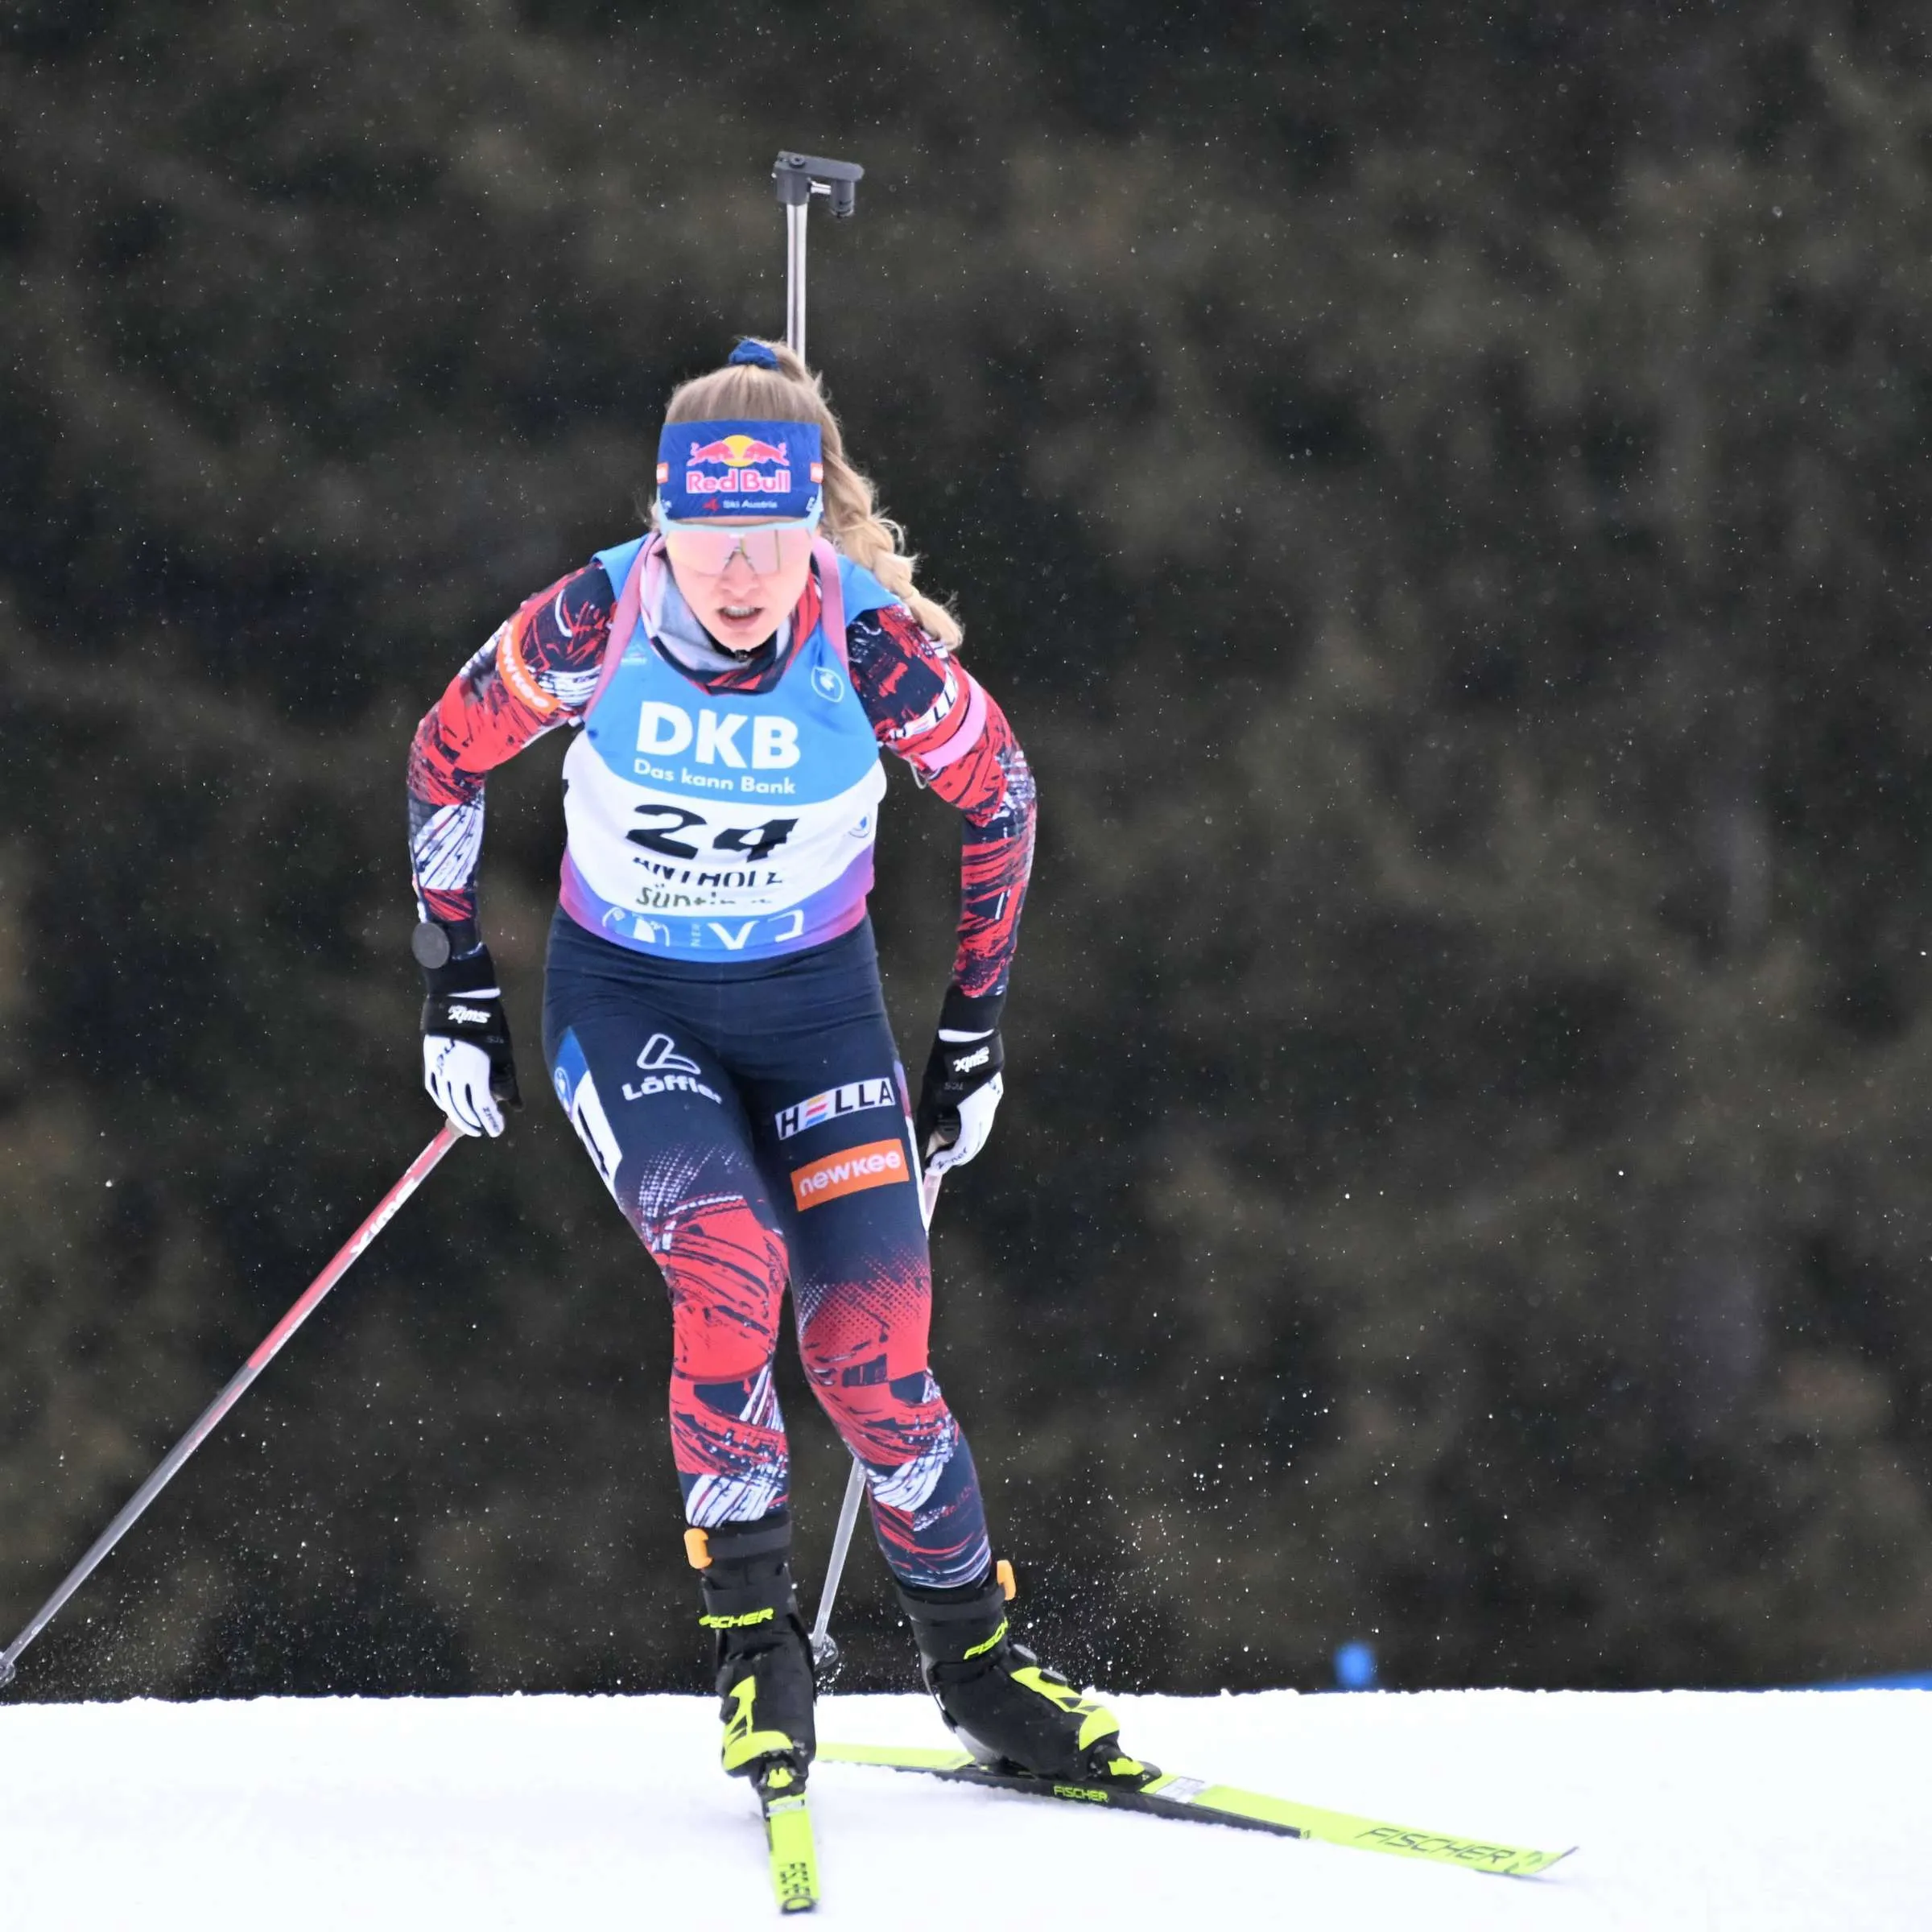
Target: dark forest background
1442,492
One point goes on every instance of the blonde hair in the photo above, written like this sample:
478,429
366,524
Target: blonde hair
792,394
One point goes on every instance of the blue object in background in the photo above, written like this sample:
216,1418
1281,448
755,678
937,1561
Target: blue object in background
1355,1667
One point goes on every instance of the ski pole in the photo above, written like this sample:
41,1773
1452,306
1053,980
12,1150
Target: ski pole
824,1652
799,178
271,1348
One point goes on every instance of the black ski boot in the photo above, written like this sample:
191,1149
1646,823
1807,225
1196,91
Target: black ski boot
764,1657
1011,1714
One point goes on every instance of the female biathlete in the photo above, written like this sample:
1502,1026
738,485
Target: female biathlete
713,1022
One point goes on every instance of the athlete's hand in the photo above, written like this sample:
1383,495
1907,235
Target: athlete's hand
959,1096
467,1062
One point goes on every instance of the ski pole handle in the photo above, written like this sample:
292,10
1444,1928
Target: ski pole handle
210,1418
798,178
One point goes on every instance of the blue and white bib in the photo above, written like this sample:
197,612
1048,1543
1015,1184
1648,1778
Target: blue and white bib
727,824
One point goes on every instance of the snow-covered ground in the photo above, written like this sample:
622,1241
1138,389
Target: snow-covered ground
1691,1810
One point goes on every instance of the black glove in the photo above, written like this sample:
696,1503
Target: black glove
964,1082
467,1062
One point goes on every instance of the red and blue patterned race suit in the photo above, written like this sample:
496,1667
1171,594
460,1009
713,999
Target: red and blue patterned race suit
749,1115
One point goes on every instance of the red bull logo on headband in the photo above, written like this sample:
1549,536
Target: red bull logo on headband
736,452
741,454
770,469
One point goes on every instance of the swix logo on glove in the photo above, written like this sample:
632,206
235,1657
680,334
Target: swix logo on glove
967,1062
467,1016
878,1164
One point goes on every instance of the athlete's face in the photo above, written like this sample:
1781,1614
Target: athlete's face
743,604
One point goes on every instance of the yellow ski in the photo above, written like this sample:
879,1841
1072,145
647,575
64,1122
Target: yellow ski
794,1864
1164,1794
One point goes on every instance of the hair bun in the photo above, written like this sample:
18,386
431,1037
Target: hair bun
754,352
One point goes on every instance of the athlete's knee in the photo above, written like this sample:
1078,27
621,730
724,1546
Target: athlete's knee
863,1333
889,1421
724,1264
833,1363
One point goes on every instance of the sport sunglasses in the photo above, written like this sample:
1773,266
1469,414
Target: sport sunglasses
707,549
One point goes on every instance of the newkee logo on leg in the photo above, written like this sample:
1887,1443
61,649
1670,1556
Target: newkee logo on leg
878,1164
855,1097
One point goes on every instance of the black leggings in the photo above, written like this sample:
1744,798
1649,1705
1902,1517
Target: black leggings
750,1120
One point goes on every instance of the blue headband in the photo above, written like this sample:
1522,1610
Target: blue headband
739,468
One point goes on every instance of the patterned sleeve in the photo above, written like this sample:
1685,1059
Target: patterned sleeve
933,713
538,671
